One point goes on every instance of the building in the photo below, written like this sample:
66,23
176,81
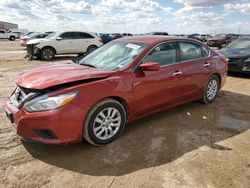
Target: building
7,25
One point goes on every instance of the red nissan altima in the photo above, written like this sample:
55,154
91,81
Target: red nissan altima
124,80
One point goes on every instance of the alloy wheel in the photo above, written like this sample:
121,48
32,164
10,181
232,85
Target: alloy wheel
212,88
107,123
47,53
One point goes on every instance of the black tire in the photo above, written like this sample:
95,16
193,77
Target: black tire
91,49
88,128
47,53
12,38
207,96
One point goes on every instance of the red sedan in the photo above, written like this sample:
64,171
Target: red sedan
124,80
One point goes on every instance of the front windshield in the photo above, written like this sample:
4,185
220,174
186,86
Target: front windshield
52,35
239,44
114,55
219,36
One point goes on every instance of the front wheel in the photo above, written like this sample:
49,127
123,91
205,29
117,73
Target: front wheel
47,53
211,89
104,123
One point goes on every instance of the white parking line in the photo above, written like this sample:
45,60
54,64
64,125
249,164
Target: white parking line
13,52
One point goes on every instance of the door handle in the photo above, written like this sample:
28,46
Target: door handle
176,73
206,64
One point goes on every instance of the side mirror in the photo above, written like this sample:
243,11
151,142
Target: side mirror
150,66
59,38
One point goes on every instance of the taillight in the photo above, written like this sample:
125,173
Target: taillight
224,59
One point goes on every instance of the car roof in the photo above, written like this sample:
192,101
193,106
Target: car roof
155,39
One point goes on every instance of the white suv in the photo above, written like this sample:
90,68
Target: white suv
69,42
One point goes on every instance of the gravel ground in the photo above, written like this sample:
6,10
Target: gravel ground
194,145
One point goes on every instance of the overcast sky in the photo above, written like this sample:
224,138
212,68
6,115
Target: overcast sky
135,16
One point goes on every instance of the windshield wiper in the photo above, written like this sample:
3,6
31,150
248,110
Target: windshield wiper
89,65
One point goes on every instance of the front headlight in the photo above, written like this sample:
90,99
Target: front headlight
45,103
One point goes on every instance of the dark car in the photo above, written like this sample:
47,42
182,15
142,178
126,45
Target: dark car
233,36
116,36
238,53
127,34
106,38
120,82
219,41
159,33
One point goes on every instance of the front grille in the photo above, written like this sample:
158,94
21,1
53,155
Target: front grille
17,97
21,95
30,50
46,134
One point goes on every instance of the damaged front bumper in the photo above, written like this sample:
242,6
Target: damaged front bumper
58,126
32,51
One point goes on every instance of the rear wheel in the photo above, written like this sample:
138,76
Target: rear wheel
104,123
12,38
211,89
91,49
47,53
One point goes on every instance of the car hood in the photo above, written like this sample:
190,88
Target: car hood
36,41
235,52
58,73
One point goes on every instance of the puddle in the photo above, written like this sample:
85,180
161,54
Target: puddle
229,122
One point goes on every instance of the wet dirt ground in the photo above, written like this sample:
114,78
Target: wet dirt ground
193,145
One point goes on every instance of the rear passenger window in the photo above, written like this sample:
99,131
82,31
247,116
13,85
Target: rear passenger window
190,51
163,54
205,51
85,36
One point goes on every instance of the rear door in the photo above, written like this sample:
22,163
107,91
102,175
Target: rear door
84,40
154,90
197,66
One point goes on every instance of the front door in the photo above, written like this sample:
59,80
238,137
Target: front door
155,90
67,44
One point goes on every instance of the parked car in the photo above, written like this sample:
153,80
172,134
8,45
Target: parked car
28,33
127,34
196,37
238,53
68,42
219,41
159,33
116,36
7,35
122,81
25,38
205,37
106,38
18,34
233,36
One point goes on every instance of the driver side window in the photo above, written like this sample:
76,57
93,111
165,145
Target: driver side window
164,54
